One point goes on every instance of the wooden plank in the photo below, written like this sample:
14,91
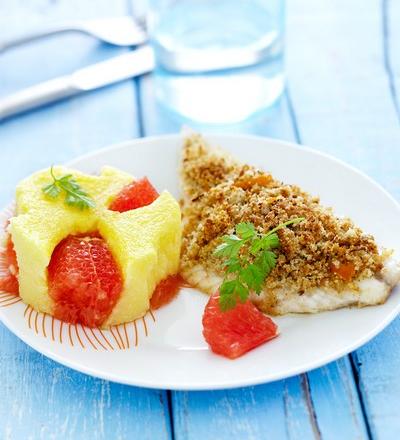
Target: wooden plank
339,85
267,411
39,398
349,110
43,400
296,408
377,364
391,48
290,409
335,398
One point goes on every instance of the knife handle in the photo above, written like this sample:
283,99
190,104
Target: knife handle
40,94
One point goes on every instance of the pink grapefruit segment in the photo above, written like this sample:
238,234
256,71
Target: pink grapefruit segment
134,195
84,280
165,291
9,280
236,331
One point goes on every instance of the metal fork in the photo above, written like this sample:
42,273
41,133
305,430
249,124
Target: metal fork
119,31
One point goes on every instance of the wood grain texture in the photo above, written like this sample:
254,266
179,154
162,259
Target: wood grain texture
277,411
39,398
43,400
391,48
339,85
377,364
335,403
296,408
350,110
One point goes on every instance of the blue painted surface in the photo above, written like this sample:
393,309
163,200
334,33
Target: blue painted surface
343,75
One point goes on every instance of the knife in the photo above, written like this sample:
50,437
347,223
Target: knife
128,65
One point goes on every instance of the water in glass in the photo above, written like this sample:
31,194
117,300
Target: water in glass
218,61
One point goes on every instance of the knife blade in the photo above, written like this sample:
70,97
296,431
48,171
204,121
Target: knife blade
128,65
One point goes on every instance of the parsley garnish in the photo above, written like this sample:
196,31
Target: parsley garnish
249,259
74,194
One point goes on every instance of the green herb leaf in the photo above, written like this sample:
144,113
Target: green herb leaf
245,231
271,241
227,302
248,260
232,265
232,291
52,190
230,247
241,291
267,261
253,275
74,194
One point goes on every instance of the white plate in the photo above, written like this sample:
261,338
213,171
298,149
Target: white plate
173,354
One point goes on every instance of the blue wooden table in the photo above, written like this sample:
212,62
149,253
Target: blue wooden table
343,66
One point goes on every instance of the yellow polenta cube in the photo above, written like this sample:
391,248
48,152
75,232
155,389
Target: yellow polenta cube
144,242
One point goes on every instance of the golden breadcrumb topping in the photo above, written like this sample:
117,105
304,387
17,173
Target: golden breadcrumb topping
322,251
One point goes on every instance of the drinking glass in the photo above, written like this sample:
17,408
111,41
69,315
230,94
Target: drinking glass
218,61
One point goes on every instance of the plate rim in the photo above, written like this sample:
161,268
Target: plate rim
231,383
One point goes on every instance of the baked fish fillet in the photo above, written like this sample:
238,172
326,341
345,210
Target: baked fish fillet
324,263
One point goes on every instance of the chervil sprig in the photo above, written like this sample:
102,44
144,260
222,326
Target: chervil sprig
248,260
74,194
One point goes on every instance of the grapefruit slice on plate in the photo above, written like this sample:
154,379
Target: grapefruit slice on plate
234,332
